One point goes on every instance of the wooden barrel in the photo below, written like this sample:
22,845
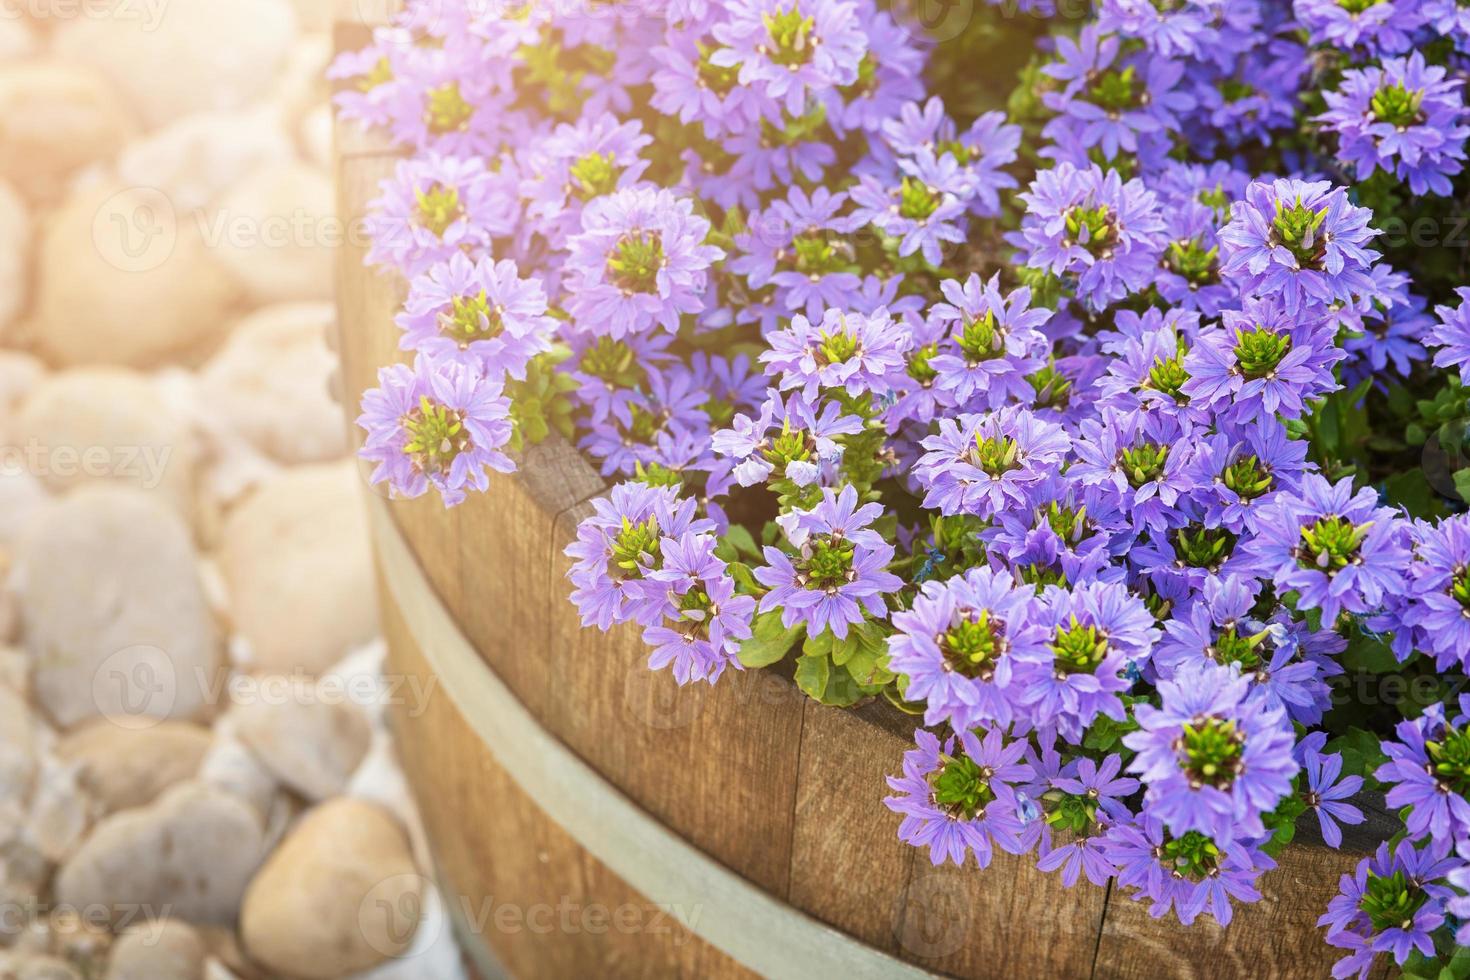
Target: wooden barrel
589,818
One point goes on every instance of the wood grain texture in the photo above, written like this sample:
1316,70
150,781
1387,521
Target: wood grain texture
783,791
538,901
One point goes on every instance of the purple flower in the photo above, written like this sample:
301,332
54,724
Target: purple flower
994,342
1189,874
437,423
1094,226
577,163
1299,240
1428,770
705,619
792,50
482,311
1385,26
958,799
960,643
847,351
618,549
803,443
1327,788
1096,628
923,207
1392,903
1339,550
1405,118
831,583
1261,361
980,464
1141,459
1212,760
1452,335
638,262
1438,601
436,206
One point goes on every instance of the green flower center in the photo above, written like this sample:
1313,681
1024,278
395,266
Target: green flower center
1259,351
1053,389
839,346
695,611
1460,587
1095,229
817,251
436,436
447,111
973,643
658,475
594,175
1068,524
919,368
789,446
470,318
1193,856
1232,648
1397,105
1078,648
644,425
380,74
995,454
635,262
720,412
635,547
867,80
827,564
961,787
1189,259
1203,547
717,78
1116,91
982,339
916,200
1331,544
1235,90
1391,901
439,208
614,363
1247,477
1358,6
1298,229
1168,375
790,33
1210,751
1144,464
1450,760
1216,199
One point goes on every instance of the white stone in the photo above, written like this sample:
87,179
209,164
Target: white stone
17,757
124,278
129,767
18,373
117,621
17,40
316,135
276,231
232,767
166,950
434,952
58,117
197,158
23,504
302,83
60,810
192,851
15,252
175,58
338,896
269,383
310,741
296,556
105,425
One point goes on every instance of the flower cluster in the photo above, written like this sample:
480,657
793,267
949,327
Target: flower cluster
1095,426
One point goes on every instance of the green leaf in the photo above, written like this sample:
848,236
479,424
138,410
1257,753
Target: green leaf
744,578
812,674
1362,754
769,641
743,541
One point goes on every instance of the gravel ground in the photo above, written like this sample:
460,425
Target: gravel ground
195,776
